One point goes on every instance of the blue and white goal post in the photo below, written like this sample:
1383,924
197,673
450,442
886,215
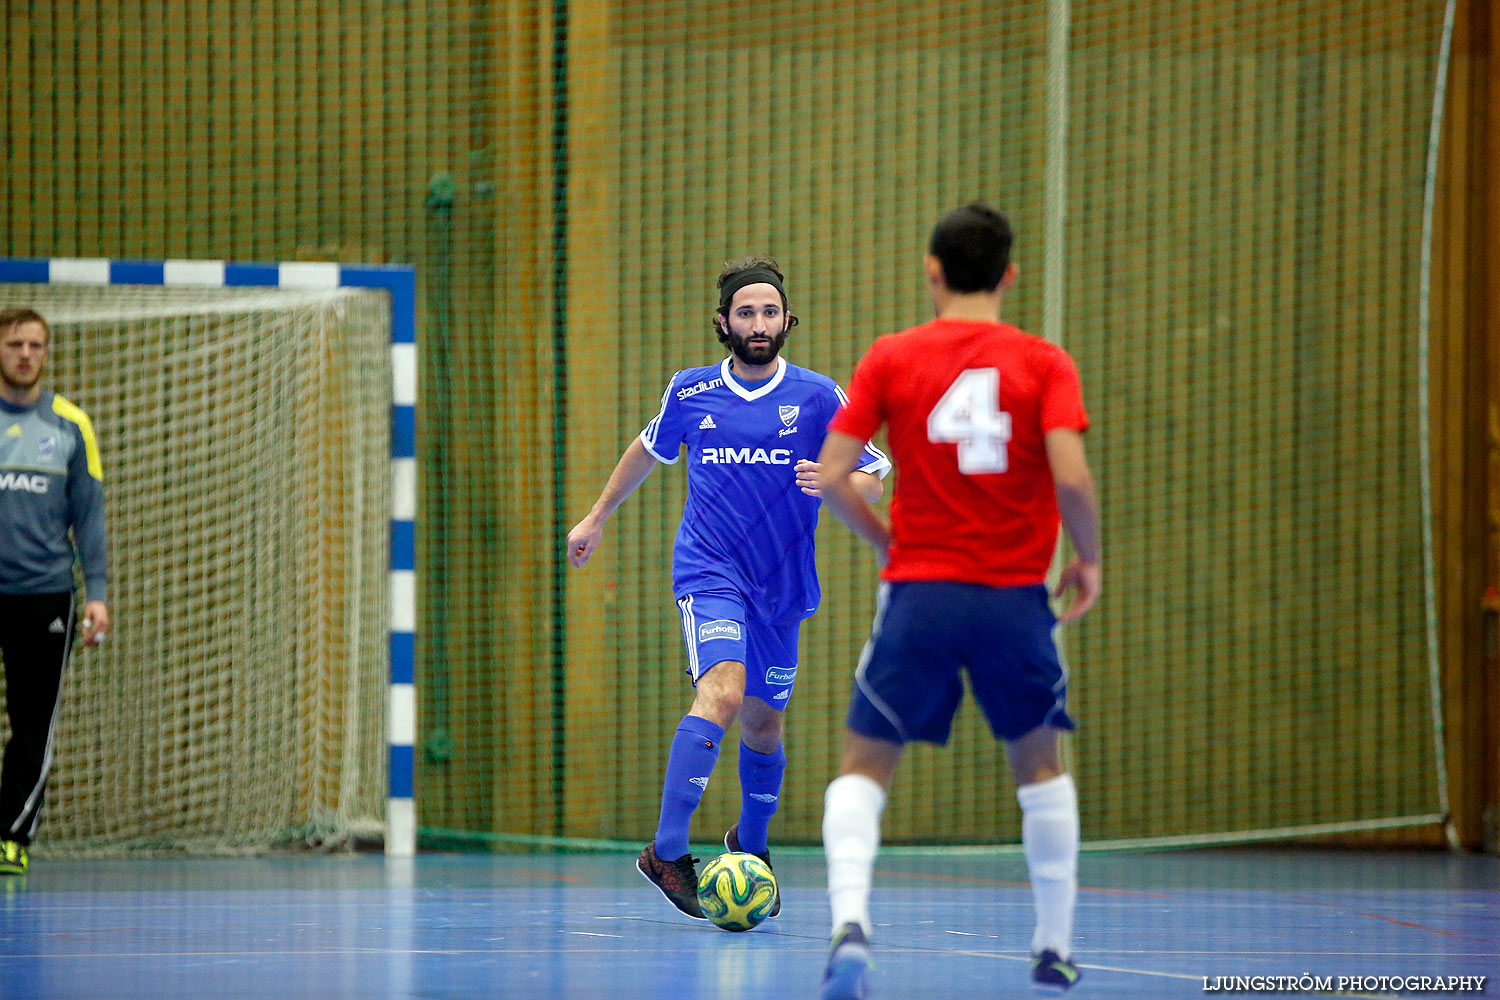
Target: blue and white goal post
400,282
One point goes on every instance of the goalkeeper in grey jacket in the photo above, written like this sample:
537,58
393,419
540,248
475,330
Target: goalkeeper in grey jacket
51,509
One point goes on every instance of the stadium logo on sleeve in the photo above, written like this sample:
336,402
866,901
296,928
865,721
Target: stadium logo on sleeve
698,387
781,675
721,628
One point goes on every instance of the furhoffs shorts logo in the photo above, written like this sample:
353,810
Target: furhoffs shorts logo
721,628
781,675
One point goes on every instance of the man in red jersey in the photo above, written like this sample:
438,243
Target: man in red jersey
985,427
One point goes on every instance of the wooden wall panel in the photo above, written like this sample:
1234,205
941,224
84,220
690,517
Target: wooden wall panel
1482,788
1467,432
21,172
85,230
62,149
161,155
592,311
1450,343
1464,335
104,101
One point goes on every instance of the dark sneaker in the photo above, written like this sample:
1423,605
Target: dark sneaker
732,844
848,974
1051,975
677,880
13,860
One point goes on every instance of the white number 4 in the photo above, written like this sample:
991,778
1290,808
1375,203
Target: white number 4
969,415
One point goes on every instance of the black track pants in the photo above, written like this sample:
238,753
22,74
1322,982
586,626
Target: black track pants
36,635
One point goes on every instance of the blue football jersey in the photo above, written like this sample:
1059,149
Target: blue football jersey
746,527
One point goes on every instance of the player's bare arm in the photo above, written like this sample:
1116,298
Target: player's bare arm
1080,516
630,472
840,454
809,475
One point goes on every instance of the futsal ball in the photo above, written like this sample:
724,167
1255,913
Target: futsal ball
737,891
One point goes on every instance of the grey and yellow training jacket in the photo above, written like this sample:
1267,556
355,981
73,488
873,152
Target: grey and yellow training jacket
51,481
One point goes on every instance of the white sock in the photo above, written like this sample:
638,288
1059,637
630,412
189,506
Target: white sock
1049,834
851,836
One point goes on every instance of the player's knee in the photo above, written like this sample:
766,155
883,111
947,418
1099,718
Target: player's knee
720,694
727,706
761,735
721,711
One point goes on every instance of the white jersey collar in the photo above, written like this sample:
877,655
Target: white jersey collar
752,394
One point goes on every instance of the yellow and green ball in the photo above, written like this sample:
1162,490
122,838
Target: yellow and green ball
737,891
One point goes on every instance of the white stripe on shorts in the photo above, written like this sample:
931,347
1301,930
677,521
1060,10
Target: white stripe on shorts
1062,681
882,598
690,635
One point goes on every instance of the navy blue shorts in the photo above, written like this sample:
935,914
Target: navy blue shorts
907,686
717,626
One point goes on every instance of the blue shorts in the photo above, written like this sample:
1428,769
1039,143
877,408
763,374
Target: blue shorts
907,686
717,627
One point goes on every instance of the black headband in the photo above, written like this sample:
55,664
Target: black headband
749,276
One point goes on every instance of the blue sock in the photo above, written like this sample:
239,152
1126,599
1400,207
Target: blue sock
760,788
695,749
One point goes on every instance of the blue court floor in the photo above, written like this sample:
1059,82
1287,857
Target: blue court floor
451,926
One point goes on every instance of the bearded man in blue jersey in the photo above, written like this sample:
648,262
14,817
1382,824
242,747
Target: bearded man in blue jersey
742,566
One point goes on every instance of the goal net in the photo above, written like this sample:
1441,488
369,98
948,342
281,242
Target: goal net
239,701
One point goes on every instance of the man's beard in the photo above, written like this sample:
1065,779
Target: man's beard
12,383
758,354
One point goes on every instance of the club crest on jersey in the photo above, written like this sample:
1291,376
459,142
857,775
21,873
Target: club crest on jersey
781,675
721,628
788,414
45,446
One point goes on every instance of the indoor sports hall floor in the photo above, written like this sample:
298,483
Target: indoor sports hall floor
459,926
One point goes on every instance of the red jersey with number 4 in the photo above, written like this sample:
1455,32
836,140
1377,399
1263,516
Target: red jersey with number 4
968,404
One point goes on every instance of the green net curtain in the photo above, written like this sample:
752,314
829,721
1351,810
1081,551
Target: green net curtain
1237,261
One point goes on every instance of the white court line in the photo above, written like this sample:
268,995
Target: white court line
269,953
1026,959
1132,972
